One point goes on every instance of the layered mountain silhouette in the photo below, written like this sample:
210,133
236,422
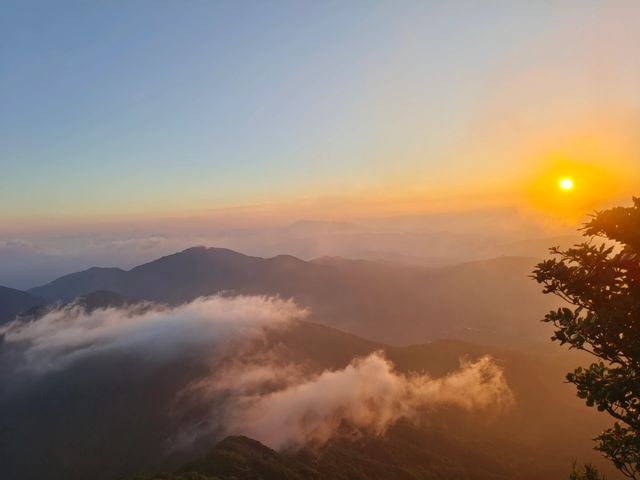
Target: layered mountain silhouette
13,302
90,302
112,417
490,301
404,453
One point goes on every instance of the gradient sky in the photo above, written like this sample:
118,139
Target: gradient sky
174,107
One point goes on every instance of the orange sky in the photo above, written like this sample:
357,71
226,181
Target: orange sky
355,113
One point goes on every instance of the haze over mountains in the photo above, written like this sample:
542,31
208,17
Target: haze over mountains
111,372
33,258
297,240
491,301
113,393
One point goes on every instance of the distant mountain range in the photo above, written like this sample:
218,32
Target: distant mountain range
111,416
490,301
431,240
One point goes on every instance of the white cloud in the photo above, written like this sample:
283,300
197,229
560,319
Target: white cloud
65,335
250,390
368,395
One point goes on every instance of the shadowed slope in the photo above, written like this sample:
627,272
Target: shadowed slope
14,302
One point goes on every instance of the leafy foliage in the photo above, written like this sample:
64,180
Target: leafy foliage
586,472
601,283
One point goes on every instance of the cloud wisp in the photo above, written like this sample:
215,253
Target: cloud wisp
66,335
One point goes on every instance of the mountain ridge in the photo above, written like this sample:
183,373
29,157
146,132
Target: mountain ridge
13,302
386,302
547,425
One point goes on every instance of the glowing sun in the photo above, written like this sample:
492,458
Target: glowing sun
566,184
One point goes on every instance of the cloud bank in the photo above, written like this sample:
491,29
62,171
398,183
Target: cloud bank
66,335
243,384
368,396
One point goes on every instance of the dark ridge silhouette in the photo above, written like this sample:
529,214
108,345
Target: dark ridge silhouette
89,303
404,453
14,302
386,302
77,284
112,416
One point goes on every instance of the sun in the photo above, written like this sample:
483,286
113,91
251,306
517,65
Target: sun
566,184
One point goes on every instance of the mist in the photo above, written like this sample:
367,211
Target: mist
430,239
262,395
69,334
368,396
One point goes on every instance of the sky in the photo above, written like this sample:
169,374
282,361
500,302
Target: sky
150,109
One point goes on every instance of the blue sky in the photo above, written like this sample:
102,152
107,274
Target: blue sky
174,106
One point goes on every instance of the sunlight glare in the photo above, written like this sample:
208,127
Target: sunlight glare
566,184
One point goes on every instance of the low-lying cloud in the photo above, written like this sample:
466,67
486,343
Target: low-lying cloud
68,334
243,385
368,396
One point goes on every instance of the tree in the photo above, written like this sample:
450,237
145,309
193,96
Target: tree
586,472
600,281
